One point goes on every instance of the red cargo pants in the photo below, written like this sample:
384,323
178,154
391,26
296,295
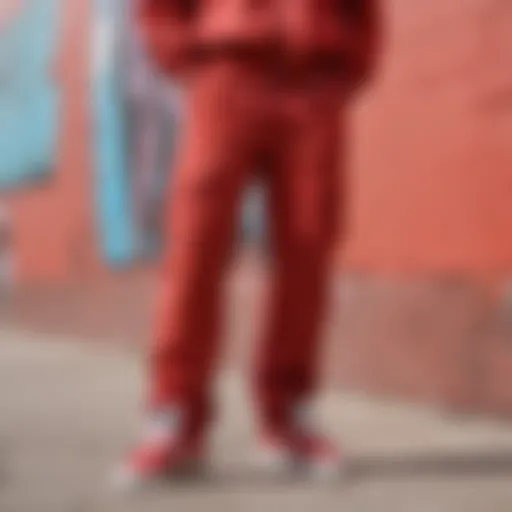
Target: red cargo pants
239,119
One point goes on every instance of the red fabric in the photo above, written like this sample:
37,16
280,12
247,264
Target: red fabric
177,31
237,122
244,115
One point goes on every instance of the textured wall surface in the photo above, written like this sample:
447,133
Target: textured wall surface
433,157
430,159
425,311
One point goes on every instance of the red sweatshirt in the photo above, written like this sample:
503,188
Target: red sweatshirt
343,33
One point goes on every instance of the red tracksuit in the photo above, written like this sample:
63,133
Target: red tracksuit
266,84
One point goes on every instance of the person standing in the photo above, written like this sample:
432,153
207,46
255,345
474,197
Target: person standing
267,85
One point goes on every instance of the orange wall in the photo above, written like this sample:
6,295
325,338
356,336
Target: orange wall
431,162
433,159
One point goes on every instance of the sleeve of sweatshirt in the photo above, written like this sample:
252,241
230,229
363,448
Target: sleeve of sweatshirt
366,40
166,28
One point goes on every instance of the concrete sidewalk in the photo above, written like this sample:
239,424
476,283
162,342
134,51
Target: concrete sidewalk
68,410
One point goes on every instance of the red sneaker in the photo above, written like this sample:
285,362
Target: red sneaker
299,449
164,452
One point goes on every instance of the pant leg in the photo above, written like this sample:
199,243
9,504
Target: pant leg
304,212
213,164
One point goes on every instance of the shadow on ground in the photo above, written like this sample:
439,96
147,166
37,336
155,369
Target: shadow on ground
359,471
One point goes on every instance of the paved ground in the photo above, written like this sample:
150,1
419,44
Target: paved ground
68,409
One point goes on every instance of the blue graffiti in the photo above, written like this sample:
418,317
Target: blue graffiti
112,183
29,100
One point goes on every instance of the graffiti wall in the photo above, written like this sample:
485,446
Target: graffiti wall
29,98
109,145
131,112
135,120
151,109
430,162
